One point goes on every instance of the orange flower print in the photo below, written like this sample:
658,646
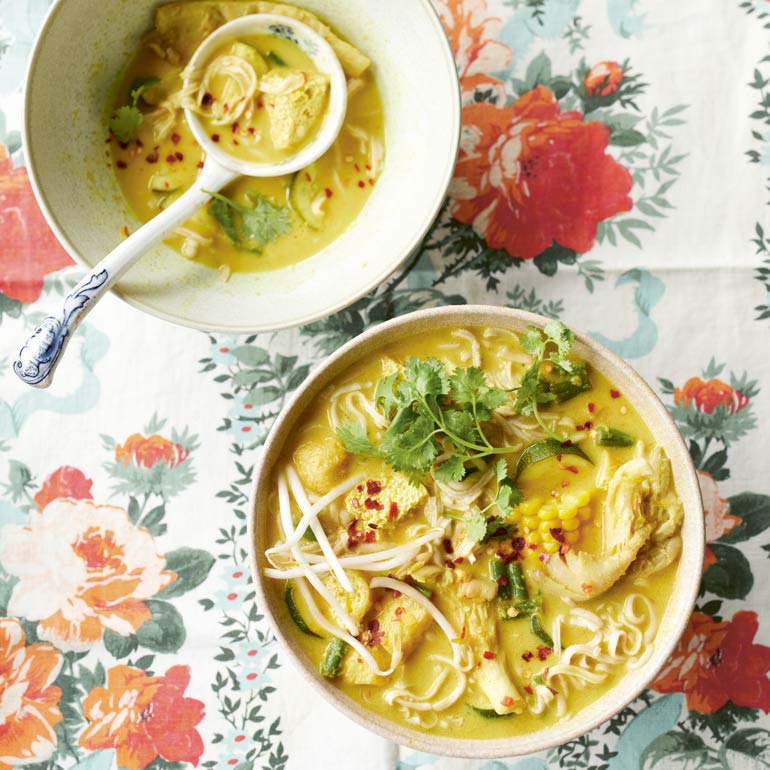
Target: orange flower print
143,717
82,568
715,508
716,662
603,79
64,482
29,702
30,250
528,175
707,396
472,34
149,450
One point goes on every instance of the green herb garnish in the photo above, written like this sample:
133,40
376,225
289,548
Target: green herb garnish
550,345
606,436
127,120
431,412
250,228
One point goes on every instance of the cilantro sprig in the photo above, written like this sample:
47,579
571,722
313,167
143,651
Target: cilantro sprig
127,120
430,413
250,228
549,347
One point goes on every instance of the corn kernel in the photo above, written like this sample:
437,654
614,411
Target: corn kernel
546,526
551,546
570,525
569,513
548,513
530,522
584,498
572,537
534,538
585,513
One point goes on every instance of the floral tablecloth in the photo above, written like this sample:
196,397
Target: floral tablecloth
613,172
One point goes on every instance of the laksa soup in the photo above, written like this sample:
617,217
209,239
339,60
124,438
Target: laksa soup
473,533
260,98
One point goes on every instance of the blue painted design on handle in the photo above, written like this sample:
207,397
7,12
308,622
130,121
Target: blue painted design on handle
40,354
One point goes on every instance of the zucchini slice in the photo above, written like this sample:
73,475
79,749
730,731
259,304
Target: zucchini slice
294,613
304,190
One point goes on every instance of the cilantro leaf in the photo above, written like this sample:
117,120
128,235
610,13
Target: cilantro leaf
468,387
452,469
125,123
249,227
534,389
384,398
355,439
476,526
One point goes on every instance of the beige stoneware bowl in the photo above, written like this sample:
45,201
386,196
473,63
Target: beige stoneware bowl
81,52
650,409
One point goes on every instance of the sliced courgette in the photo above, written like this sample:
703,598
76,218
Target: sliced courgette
294,613
251,55
490,713
304,190
331,663
542,450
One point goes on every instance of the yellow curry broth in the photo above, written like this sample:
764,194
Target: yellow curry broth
550,479
340,182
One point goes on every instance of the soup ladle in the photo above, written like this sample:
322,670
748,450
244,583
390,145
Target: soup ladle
41,353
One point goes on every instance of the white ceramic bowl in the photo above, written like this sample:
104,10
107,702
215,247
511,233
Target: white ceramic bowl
77,63
650,409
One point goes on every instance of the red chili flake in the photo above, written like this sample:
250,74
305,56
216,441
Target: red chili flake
373,505
557,534
215,137
565,444
580,427
462,633
376,635
587,588
591,407
124,231
206,99
175,138
361,183
152,157
355,502
459,560
507,701
252,130
368,167
527,656
123,145
614,393
392,511
519,543
565,483
139,142
544,557
108,140
199,164
395,594
260,104
236,142
179,156
399,611
236,127
532,546
371,182
489,655
447,543
327,192
308,177
360,488
357,167
170,159
121,164
372,525
449,563
543,652
571,468
565,549
502,580
369,536
588,425
528,689
373,487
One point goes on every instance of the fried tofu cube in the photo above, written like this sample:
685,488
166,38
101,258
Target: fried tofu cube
294,100
384,500
398,626
321,465
355,603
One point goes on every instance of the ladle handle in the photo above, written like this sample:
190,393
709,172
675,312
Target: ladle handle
41,353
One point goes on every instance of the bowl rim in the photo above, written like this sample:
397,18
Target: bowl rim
475,748
432,213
